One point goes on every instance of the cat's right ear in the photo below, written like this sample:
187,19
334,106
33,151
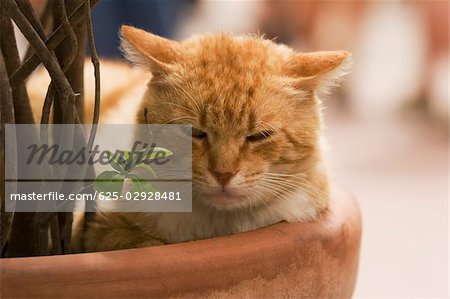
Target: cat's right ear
319,70
148,50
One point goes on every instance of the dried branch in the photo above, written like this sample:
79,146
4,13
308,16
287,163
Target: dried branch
30,14
52,42
90,206
22,232
96,64
44,20
75,75
55,234
40,224
65,225
46,16
22,108
7,117
65,66
71,56
28,11
61,83
60,8
66,102
45,116
7,111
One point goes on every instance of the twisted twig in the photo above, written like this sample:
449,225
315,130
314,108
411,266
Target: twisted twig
49,60
22,108
44,21
66,77
52,42
23,234
28,11
90,206
62,14
96,64
7,117
66,63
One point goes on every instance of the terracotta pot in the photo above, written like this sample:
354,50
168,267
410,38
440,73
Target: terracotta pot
302,260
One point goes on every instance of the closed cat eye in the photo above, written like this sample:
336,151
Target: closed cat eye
259,136
197,133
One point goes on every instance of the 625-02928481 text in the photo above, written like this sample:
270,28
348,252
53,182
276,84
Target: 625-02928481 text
139,196
104,196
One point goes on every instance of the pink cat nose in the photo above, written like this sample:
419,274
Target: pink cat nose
224,177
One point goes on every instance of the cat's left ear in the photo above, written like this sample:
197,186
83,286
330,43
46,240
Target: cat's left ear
149,50
319,70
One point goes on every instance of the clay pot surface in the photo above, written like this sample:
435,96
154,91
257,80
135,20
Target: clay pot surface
303,260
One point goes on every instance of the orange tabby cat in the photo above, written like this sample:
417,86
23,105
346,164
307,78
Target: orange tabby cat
257,150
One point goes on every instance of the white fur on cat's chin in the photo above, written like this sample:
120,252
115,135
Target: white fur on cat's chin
204,223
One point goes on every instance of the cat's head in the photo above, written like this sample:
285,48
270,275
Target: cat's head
252,105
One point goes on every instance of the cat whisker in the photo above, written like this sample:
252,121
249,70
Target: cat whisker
180,106
299,184
180,118
266,125
291,187
178,85
274,192
306,183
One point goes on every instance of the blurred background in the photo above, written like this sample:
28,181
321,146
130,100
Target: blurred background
387,126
